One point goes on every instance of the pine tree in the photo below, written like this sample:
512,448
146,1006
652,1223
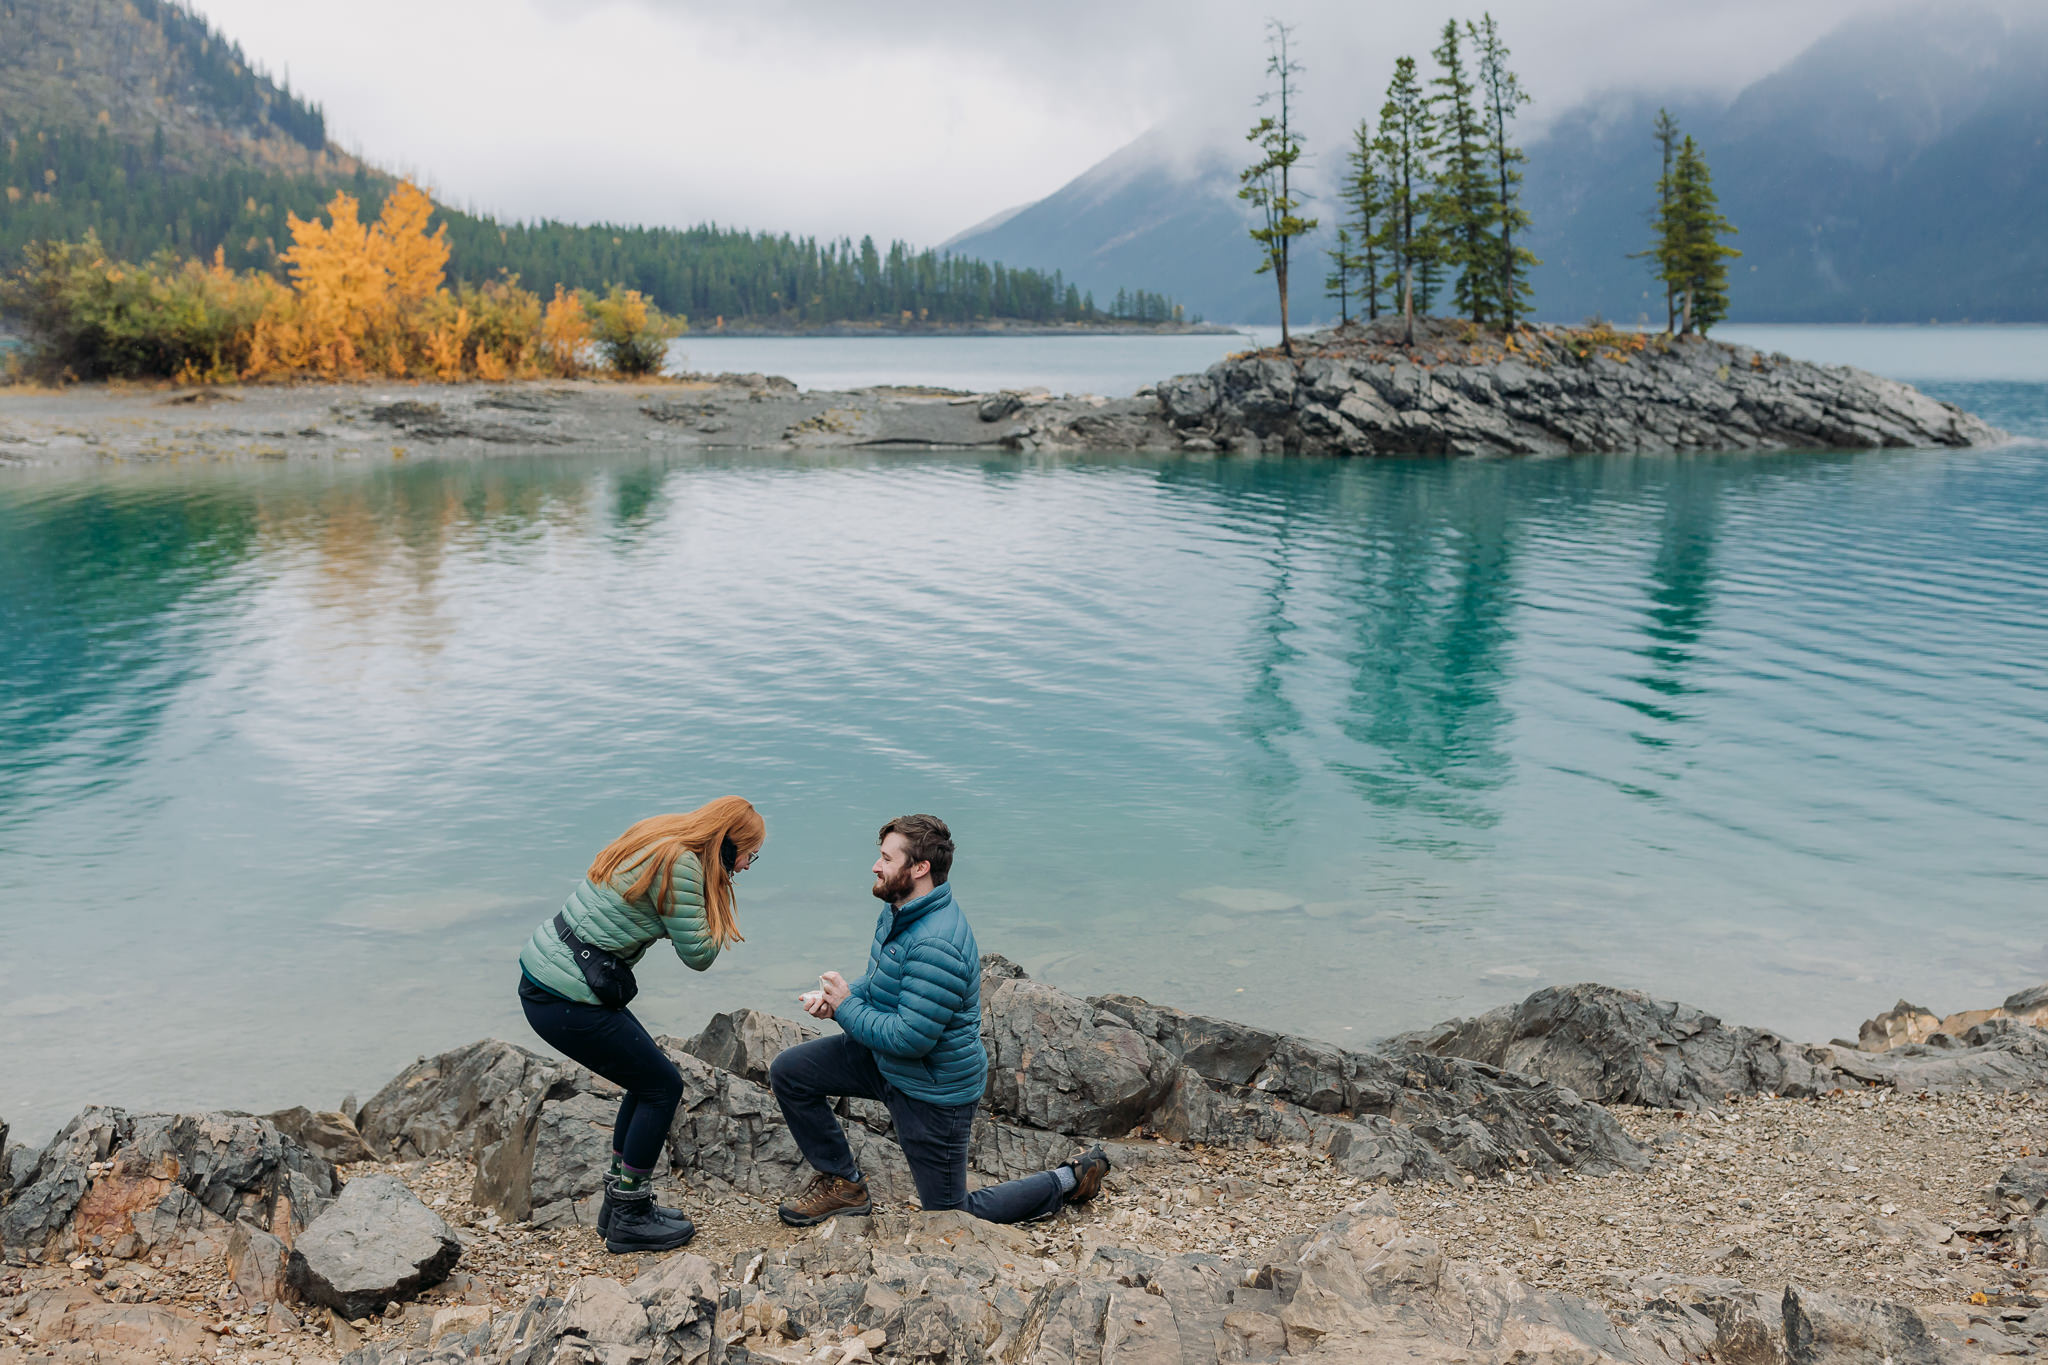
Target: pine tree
1365,196
1267,183
1406,150
1665,130
1502,95
1462,206
1337,284
1696,258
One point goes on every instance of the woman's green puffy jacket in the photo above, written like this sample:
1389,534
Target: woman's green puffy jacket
601,915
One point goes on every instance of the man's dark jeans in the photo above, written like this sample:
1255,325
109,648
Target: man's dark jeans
616,1046
805,1079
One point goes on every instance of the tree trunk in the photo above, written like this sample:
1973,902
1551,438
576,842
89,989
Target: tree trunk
1408,303
1687,331
1280,275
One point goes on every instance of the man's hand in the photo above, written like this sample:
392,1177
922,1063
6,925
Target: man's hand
835,989
814,1004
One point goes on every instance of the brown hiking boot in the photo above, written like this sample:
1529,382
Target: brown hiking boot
827,1196
1088,1168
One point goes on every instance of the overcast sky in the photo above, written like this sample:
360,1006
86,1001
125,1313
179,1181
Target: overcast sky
911,118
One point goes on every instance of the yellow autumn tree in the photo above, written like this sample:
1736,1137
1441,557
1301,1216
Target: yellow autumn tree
359,291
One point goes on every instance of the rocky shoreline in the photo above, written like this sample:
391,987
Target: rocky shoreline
1589,1175
1352,392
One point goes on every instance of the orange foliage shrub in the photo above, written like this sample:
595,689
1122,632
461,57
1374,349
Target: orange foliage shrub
368,298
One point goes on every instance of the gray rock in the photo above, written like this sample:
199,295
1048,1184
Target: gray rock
467,1099
1396,1114
1558,393
2022,1187
2029,1006
330,1135
669,1316
1058,1062
1998,1054
997,406
256,1262
1820,1329
173,1184
1622,1047
745,1042
376,1244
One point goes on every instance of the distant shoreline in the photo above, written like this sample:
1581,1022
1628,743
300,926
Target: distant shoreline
842,330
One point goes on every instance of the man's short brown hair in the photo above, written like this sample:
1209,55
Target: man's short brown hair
929,839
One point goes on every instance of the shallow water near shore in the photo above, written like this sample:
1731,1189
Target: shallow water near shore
293,757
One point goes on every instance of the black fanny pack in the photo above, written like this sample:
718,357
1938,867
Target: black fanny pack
609,979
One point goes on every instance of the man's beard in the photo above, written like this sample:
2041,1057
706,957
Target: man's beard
895,890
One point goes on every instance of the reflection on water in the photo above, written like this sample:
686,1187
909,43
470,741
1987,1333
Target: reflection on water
291,758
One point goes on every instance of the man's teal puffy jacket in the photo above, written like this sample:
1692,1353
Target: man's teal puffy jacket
602,915
918,1009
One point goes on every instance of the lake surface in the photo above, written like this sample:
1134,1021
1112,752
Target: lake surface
293,757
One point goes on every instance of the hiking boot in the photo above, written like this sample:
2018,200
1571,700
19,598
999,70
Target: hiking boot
1088,1169
827,1196
604,1210
637,1225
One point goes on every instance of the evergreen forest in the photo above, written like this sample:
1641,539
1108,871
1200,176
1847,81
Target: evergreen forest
58,184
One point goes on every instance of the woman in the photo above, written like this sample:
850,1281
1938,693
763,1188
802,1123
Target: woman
669,876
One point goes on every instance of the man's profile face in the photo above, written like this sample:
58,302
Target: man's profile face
895,874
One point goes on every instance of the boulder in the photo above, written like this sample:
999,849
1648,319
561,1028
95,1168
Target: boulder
327,1134
162,1184
2022,1187
996,406
376,1244
668,1316
1904,1022
744,1042
1997,1054
1058,1062
1623,1047
2029,1006
468,1099
256,1262
1396,1114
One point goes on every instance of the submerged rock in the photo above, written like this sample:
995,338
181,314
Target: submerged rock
377,1243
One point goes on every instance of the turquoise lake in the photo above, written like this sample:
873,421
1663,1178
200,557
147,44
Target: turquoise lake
293,757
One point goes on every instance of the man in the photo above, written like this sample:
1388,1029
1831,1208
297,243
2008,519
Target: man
911,1038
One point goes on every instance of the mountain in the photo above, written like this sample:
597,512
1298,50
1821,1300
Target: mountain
137,122
1897,170
1152,211
150,73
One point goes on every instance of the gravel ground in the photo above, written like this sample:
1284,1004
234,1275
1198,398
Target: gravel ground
1862,1195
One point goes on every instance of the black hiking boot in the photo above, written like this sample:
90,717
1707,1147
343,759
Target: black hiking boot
637,1225
1088,1169
604,1210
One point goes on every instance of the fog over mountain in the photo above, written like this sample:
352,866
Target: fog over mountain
1896,170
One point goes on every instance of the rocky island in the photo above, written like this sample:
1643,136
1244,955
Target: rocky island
1590,1175
1357,391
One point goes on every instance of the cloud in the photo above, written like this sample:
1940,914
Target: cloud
904,118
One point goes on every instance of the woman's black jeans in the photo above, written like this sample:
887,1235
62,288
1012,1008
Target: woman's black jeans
614,1045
